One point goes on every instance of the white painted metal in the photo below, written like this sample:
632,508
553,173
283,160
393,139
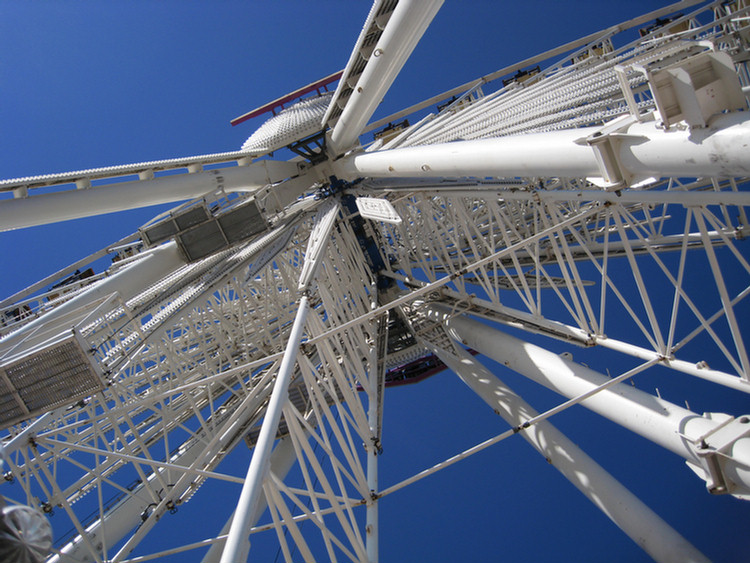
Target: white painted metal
131,510
401,34
189,351
123,285
247,505
280,463
321,232
507,193
374,413
672,427
645,151
73,204
293,123
377,209
638,521
84,178
514,317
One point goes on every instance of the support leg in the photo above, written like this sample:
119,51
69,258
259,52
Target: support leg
718,446
638,521
282,460
256,473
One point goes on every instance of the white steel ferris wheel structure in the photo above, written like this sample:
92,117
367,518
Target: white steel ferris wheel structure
594,195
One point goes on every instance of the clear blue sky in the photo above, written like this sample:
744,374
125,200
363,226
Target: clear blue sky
89,84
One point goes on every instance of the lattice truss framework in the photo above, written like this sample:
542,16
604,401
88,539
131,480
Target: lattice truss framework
188,363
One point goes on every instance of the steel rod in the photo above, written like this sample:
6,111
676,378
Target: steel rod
256,472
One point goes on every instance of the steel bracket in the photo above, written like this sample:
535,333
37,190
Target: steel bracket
690,89
606,146
714,449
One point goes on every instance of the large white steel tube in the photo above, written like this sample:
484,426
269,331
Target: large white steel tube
720,150
256,472
401,34
542,154
281,462
98,200
127,282
660,421
371,526
644,150
646,528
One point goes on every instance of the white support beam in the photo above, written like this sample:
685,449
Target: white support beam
281,462
375,380
126,283
318,242
666,424
646,528
372,526
642,151
401,34
572,334
256,472
98,200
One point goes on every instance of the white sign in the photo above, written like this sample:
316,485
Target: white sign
377,210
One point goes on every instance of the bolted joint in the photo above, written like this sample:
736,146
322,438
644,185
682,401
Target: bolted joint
606,144
723,456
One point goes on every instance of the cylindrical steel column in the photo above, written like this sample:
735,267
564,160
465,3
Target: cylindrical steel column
371,524
281,462
258,468
401,34
98,200
126,283
646,151
638,521
664,423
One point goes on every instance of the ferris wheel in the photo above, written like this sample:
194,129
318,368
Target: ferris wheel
573,221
